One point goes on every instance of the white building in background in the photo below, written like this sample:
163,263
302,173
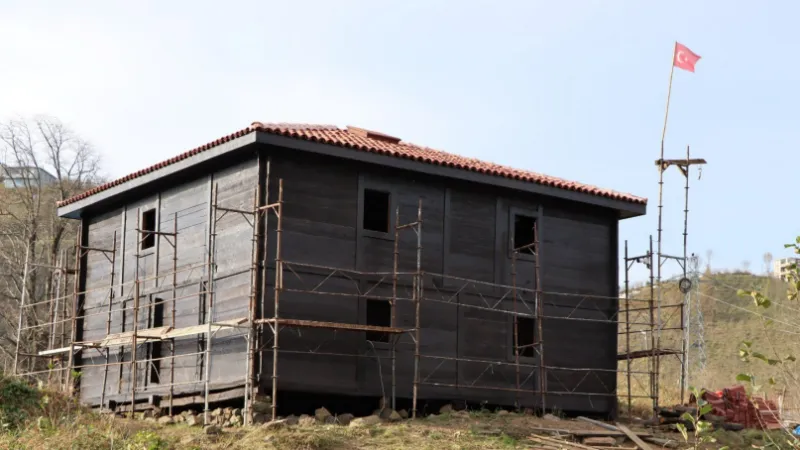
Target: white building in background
14,177
781,267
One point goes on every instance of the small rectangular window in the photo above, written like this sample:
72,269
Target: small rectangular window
156,348
524,236
377,210
379,313
525,336
148,224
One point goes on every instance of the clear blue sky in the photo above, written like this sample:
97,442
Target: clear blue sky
569,88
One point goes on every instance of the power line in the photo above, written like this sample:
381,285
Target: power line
737,289
749,311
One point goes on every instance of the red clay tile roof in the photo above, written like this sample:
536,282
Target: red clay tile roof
375,142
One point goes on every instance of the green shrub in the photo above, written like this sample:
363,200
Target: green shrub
18,402
146,440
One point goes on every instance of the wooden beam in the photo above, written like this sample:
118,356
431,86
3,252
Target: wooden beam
632,436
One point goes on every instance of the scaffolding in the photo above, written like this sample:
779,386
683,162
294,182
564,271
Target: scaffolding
533,376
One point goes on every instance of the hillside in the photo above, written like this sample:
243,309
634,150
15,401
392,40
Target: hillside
729,319
32,418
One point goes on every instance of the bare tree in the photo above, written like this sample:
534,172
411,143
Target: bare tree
42,161
709,254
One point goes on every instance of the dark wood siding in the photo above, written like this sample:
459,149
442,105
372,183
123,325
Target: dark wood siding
466,233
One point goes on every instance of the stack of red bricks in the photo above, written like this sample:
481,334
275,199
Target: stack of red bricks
734,405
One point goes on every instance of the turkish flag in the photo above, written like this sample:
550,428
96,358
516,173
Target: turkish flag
684,58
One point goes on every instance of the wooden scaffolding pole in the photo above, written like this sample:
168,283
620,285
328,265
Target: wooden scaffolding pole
540,313
75,309
393,321
108,318
417,294
136,292
251,312
174,300
211,268
23,295
277,289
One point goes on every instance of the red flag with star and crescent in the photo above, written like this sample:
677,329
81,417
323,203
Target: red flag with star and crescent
684,58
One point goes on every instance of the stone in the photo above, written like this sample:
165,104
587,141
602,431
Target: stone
259,418
550,417
403,413
292,420
322,414
503,412
178,419
446,409
365,421
600,441
528,411
344,419
150,419
306,421
385,413
235,421
276,424
193,421
216,412
395,417
211,429
166,420
237,412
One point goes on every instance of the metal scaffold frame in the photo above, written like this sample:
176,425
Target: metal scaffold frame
512,300
685,283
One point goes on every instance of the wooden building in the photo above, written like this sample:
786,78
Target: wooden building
187,250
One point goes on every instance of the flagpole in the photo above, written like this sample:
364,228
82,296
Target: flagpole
669,94
657,362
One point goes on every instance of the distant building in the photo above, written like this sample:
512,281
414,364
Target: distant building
782,267
21,176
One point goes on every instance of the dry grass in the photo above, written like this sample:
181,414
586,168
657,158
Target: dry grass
477,430
47,421
729,320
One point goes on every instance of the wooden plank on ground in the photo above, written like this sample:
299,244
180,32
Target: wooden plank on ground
632,436
543,443
605,441
612,430
567,443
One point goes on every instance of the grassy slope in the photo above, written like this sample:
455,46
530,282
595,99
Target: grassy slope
728,320
35,420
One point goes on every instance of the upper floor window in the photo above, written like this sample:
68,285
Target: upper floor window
148,225
377,210
524,235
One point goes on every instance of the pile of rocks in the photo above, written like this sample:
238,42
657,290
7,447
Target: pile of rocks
262,414
323,416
